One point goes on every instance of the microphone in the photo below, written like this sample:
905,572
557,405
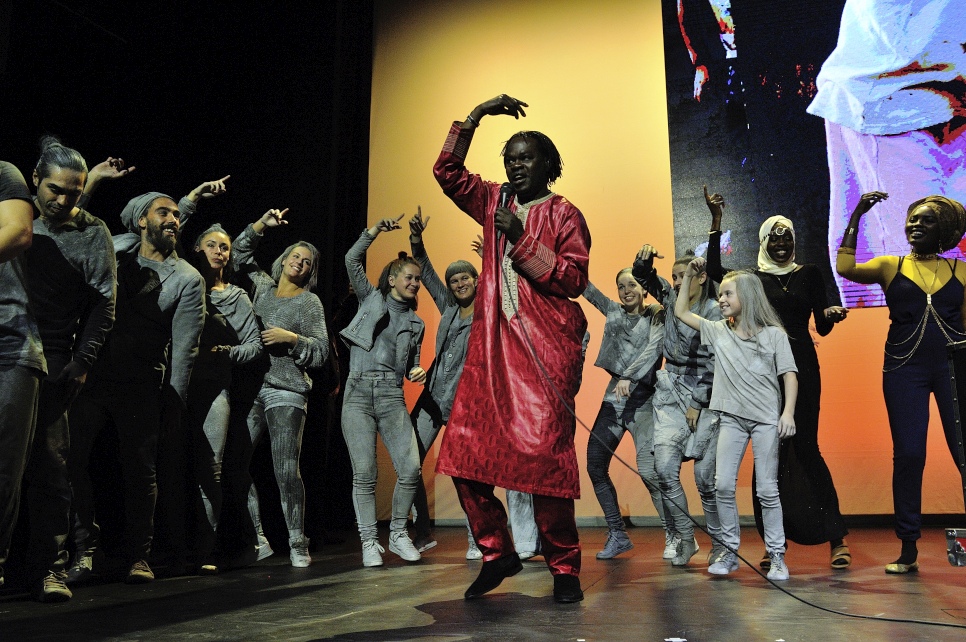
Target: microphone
506,192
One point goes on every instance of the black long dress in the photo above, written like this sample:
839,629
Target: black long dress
810,505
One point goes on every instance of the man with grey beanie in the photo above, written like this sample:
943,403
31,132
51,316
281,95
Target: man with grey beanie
159,317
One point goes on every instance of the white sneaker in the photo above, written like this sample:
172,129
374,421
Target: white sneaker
686,551
778,571
717,550
372,553
671,543
473,552
299,552
401,545
263,547
727,563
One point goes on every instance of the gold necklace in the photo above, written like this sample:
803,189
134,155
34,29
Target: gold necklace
935,277
784,286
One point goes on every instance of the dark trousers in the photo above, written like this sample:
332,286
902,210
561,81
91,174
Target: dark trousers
136,413
19,390
556,523
906,392
48,488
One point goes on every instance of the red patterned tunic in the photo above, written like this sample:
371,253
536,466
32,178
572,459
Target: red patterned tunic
508,426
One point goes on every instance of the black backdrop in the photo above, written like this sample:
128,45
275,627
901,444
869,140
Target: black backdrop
276,94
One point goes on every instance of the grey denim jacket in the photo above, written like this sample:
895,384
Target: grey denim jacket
361,331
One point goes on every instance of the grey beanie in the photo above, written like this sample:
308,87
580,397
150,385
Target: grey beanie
138,207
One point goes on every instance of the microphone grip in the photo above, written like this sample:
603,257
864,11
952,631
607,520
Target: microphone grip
505,192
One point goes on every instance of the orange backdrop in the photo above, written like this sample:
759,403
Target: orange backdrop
593,74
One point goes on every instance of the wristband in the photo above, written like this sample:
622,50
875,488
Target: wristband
470,118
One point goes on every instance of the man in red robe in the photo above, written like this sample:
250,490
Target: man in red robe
512,424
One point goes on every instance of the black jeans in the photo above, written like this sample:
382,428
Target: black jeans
136,413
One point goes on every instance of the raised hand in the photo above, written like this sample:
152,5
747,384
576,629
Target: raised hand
867,201
648,253
695,267
715,204
498,106
386,225
209,189
416,224
273,218
110,169
477,245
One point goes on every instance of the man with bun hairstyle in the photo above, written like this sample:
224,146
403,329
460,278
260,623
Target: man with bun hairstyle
71,274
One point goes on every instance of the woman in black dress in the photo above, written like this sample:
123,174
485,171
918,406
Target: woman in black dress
810,504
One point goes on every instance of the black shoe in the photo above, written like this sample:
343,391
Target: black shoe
492,573
566,589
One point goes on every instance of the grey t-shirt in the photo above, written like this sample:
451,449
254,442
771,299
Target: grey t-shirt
19,337
747,370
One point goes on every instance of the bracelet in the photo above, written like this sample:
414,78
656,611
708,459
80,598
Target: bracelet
846,250
851,231
710,232
470,118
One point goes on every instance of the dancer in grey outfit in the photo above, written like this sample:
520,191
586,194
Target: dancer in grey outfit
295,336
159,316
684,428
384,340
71,273
230,338
631,353
22,361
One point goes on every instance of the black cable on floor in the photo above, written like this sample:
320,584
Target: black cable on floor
714,539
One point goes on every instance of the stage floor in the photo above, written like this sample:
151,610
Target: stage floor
637,596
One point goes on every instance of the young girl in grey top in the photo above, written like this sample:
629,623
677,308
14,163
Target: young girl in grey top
631,353
751,353
384,339
295,338
230,337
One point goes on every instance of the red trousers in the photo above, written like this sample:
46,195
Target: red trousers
559,542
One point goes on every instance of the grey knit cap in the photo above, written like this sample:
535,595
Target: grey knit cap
138,207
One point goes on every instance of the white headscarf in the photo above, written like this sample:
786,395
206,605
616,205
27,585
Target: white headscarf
765,262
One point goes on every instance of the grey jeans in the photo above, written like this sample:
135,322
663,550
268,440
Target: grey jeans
282,413
673,443
374,404
733,437
634,415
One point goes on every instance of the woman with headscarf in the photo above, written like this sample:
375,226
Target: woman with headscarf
810,505
926,297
